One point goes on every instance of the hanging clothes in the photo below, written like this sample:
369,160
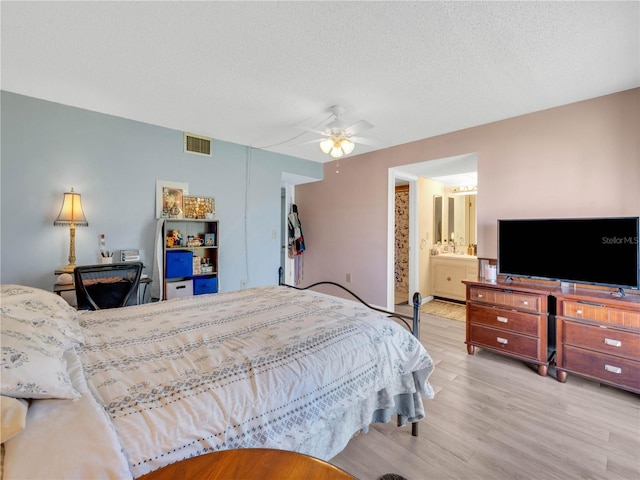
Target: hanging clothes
296,239
296,243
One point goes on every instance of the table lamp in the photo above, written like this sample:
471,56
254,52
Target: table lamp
71,214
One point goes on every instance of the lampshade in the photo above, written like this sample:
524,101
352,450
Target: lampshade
71,212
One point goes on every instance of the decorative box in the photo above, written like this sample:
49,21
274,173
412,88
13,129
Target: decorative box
205,285
179,264
179,289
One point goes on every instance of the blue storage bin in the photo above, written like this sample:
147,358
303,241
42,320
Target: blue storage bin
179,264
205,285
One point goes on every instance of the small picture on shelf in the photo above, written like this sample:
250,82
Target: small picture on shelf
209,239
199,207
174,239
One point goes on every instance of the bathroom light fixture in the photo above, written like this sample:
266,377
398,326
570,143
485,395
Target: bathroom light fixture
464,190
71,214
337,145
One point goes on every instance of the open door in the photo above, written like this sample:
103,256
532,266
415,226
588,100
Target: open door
401,245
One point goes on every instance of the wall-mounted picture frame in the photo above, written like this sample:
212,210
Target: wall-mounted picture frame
170,199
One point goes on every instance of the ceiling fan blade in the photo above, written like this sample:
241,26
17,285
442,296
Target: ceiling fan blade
364,141
317,140
308,129
358,127
316,125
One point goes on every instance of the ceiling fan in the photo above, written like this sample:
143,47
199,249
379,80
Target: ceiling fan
338,137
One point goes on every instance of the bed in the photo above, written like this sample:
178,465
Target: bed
122,392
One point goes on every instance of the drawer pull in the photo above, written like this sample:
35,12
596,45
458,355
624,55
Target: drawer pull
448,279
525,302
502,319
612,342
480,295
578,312
503,341
612,369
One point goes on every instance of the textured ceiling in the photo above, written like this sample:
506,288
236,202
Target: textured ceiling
246,72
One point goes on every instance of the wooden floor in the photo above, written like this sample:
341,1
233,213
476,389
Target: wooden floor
496,418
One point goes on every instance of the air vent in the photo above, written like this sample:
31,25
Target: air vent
196,144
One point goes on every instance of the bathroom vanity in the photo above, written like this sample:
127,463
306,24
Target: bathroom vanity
448,270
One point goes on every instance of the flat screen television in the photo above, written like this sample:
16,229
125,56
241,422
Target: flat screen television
597,251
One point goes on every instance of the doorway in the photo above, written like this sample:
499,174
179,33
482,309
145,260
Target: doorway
402,232
421,232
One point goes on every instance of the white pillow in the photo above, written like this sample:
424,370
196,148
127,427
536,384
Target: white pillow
14,417
37,328
35,304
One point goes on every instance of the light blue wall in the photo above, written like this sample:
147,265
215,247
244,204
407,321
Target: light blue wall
48,148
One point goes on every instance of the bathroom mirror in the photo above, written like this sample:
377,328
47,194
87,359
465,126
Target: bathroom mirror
437,218
454,218
453,231
462,219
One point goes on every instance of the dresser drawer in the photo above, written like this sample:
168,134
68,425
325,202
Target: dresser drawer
504,341
607,368
519,322
520,301
602,314
605,340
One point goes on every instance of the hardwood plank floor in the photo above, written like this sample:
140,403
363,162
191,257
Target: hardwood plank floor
496,418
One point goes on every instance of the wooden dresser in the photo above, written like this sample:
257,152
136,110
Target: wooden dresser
510,318
598,336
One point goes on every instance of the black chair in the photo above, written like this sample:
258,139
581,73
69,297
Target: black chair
107,286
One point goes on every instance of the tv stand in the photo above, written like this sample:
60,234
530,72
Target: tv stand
511,319
598,336
593,333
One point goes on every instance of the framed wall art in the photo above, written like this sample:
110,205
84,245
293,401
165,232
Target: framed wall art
170,199
198,207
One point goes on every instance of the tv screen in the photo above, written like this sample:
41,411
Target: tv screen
600,251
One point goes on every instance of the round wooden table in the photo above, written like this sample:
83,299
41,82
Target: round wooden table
250,464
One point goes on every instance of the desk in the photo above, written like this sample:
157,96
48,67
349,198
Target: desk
59,288
248,464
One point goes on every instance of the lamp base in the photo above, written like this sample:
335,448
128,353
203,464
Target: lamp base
68,269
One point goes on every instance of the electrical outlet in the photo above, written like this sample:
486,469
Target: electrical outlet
243,284
348,278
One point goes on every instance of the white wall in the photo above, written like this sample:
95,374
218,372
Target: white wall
48,148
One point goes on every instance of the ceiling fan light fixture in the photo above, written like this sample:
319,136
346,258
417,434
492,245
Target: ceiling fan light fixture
326,145
337,146
347,146
336,152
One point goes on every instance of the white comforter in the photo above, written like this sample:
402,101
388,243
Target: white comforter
266,367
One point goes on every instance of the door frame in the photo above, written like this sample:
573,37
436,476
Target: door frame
414,273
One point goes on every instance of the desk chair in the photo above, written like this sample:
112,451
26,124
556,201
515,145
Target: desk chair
106,286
